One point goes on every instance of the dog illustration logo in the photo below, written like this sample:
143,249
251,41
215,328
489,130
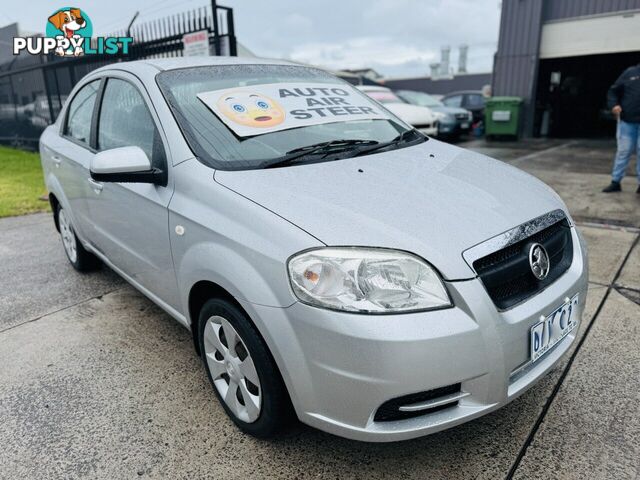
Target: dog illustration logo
74,26
250,109
69,33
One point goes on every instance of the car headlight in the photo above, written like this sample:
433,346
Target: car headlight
440,116
371,280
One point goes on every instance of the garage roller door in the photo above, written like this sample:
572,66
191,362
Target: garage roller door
591,36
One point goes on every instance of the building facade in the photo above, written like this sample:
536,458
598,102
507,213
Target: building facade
561,56
440,86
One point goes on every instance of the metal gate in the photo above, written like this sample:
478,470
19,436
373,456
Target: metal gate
34,88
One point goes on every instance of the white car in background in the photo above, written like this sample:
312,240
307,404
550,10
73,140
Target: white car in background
422,118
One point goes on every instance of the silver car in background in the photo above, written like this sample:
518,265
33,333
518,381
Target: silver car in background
453,122
370,281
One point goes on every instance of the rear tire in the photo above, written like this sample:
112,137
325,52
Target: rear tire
241,370
79,258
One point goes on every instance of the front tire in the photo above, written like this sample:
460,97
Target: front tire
244,376
79,258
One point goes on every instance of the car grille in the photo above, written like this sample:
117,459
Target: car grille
462,116
506,274
425,125
390,411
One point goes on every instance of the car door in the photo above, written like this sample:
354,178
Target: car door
131,219
70,153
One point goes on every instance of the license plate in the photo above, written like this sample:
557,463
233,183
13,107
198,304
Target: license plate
464,125
546,333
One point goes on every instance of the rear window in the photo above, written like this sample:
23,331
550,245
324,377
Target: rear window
475,100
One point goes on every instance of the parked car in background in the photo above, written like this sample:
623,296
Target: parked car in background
472,100
36,113
422,118
330,261
455,120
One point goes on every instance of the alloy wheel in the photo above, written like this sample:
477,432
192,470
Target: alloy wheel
232,369
68,236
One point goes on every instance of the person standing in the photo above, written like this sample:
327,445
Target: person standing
623,99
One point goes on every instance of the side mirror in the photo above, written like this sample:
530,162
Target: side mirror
125,165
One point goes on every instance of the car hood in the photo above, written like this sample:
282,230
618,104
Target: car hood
412,114
433,199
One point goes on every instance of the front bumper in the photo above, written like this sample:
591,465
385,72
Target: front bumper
431,130
341,367
458,127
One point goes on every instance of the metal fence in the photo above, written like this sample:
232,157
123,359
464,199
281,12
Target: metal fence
34,88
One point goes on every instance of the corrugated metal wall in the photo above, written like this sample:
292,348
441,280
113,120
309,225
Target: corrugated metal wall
516,62
561,9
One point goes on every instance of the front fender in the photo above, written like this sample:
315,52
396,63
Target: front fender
230,240
230,270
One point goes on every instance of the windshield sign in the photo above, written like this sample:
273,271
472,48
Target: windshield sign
266,108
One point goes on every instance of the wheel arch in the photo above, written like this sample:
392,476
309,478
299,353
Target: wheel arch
199,293
204,290
57,198
54,202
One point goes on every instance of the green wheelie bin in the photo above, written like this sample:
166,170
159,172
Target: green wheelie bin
502,117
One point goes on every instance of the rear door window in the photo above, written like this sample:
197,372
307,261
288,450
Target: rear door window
78,122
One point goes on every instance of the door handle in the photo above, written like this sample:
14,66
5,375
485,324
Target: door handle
97,186
56,160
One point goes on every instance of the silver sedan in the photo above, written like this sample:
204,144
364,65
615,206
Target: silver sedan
332,263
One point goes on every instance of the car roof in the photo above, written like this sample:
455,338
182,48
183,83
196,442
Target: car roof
372,88
410,90
462,92
174,63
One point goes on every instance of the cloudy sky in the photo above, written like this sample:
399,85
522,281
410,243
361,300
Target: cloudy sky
396,37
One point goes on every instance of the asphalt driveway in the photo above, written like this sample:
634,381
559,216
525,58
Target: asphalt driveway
97,382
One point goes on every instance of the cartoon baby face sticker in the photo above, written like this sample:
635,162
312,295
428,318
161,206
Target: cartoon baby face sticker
251,109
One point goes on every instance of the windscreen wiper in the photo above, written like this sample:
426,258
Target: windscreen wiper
395,141
323,148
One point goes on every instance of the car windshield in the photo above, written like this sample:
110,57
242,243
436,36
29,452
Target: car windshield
384,96
221,144
420,98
